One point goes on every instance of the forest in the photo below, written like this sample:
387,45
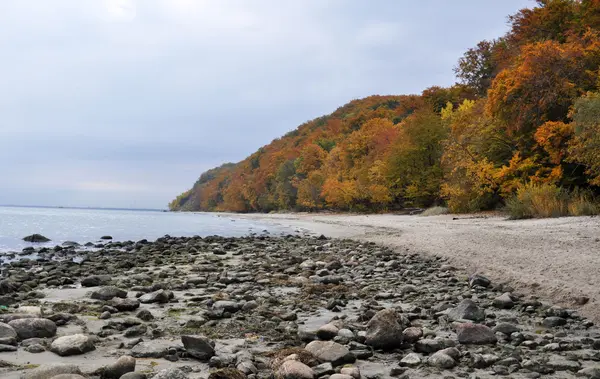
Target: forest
520,130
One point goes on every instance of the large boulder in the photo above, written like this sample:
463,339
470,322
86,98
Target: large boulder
33,328
8,335
50,371
384,330
199,347
108,292
466,310
121,367
72,345
475,334
329,351
294,370
37,238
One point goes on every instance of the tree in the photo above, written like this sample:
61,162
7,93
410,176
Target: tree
585,146
477,67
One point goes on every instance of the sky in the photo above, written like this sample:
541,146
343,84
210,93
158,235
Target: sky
124,103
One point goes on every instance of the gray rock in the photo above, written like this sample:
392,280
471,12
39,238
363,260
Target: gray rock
412,334
36,238
7,348
590,372
95,280
294,370
560,363
327,331
553,321
8,334
170,373
466,310
144,315
506,328
329,351
411,360
323,369
149,350
226,305
429,346
33,328
441,360
108,292
199,347
124,305
384,330
51,370
134,375
353,372
479,280
340,376
35,348
72,345
160,296
68,376
121,367
475,334
504,301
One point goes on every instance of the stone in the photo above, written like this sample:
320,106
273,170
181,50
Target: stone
124,305
294,370
475,334
144,315
8,335
560,363
441,360
33,328
479,280
121,367
226,306
72,345
50,371
149,350
7,348
411,360
160,296
105,315
429,346
506,328
170,373
503,301
106,238
68,376
323,369
412,334
327,331
35,348
95,280
340,376
353,372
227,373
134,375
466,310
329,351
554,321
199,347
384,330
590,372
36,238
107,293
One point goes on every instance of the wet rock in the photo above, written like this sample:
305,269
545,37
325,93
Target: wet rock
124,305
133,375
475,334
384,330
121,367
36,238
466,310
323,369
226,306
149,350
411,360
160,296
144,315
7,348
199,347
227,373
504,301
107,293
294,370
554,321
329,351
51,370
327,331
8,335
170,373
441,360
33,328
95,280
72,345
479,280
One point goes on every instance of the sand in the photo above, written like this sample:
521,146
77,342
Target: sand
556,259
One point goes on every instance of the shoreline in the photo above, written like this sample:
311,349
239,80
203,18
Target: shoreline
554,258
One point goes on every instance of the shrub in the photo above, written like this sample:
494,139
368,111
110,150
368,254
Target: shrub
435,211
547,200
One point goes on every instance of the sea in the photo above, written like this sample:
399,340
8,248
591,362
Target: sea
88,225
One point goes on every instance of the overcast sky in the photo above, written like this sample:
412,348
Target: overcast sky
124,103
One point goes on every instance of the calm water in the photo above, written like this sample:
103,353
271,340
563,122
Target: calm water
88,225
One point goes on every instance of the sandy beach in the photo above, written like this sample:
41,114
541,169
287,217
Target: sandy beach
557,259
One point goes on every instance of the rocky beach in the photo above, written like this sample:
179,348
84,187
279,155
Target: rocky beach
275,307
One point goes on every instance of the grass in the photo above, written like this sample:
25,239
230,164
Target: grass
547,200
435,211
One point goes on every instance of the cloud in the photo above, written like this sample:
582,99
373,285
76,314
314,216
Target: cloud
148,93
